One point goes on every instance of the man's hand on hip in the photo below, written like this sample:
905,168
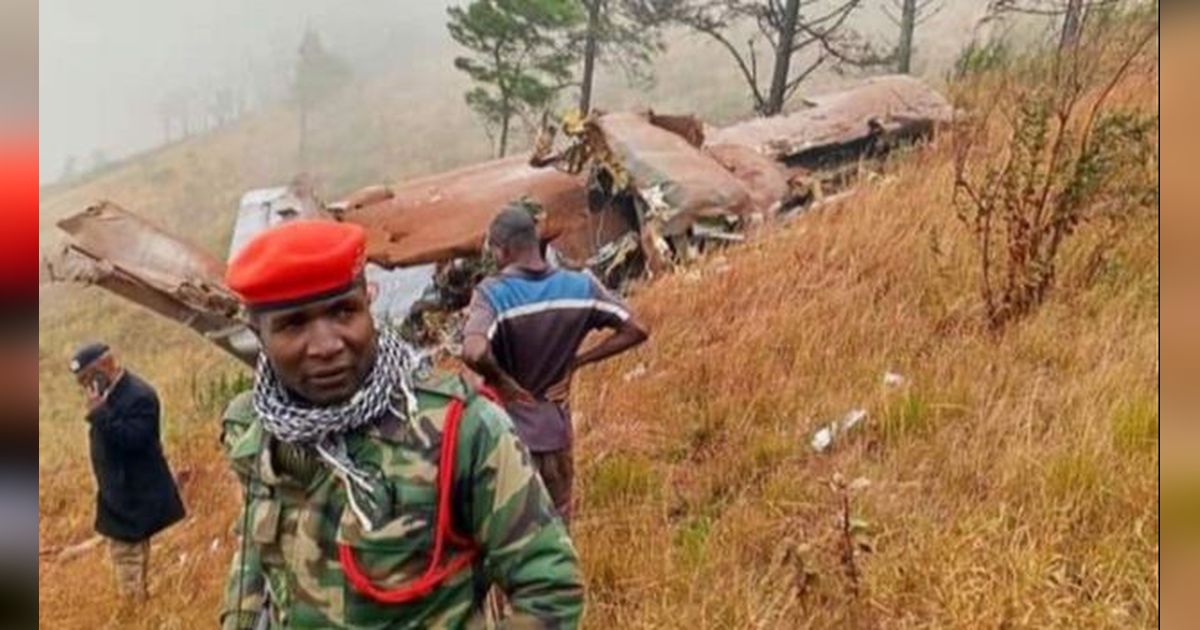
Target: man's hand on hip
560,392
512,392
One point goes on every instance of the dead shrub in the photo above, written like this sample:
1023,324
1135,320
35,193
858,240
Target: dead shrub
1037,159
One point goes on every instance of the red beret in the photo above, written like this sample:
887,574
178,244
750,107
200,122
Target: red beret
296,262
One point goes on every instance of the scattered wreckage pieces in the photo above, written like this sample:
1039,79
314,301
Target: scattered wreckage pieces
118,251
448,293
649,171
630,194
825,436
686,126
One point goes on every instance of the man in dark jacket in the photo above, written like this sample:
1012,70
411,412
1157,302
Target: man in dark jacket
137,497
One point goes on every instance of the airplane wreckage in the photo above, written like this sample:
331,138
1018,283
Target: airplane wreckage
626,195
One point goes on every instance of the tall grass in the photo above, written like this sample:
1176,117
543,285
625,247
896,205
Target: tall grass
1010,481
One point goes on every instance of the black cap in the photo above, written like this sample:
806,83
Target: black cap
86,355
514,225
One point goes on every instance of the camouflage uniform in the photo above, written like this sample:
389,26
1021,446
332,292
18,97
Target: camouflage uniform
296,514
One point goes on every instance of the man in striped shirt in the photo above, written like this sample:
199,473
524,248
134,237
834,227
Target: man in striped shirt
524,328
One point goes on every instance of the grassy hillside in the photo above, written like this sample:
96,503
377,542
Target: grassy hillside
1009,480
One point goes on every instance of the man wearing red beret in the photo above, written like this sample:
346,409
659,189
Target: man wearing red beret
373,497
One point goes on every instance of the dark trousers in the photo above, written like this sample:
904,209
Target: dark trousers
557,469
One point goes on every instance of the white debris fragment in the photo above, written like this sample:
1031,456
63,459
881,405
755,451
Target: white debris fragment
852,418
892,379
823,438
637,372
216,544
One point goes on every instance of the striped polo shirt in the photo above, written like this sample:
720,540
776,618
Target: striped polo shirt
535,322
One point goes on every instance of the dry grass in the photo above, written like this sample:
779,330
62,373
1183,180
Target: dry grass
1010,482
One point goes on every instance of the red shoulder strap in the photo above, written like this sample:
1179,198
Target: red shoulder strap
437,571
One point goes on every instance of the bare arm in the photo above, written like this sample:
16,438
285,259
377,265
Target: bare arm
477,354
628,335
611,312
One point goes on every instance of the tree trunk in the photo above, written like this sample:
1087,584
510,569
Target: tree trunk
1072,24
908,24
589,56
506,116
783,59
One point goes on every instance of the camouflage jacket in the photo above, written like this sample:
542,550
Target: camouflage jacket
292,523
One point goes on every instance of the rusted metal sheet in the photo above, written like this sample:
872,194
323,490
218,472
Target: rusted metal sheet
686,126
765,179
136,246
446,216
584,234
668,172
120,252
839,124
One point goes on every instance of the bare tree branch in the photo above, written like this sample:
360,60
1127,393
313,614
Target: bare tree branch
753,61
795,82
888,14
1116,78
768,30
745,69
809,27
923,13
840,13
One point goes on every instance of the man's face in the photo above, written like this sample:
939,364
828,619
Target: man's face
104,367
323,350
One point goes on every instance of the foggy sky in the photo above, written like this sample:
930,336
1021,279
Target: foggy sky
106,65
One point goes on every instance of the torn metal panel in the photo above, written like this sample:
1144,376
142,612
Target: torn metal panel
648,172
445,216
265,207
582,235
115,250
688,184
127,242
843,124
766,180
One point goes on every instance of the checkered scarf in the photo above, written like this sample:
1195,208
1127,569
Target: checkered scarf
293,421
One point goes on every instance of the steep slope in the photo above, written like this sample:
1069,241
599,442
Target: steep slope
1007,479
